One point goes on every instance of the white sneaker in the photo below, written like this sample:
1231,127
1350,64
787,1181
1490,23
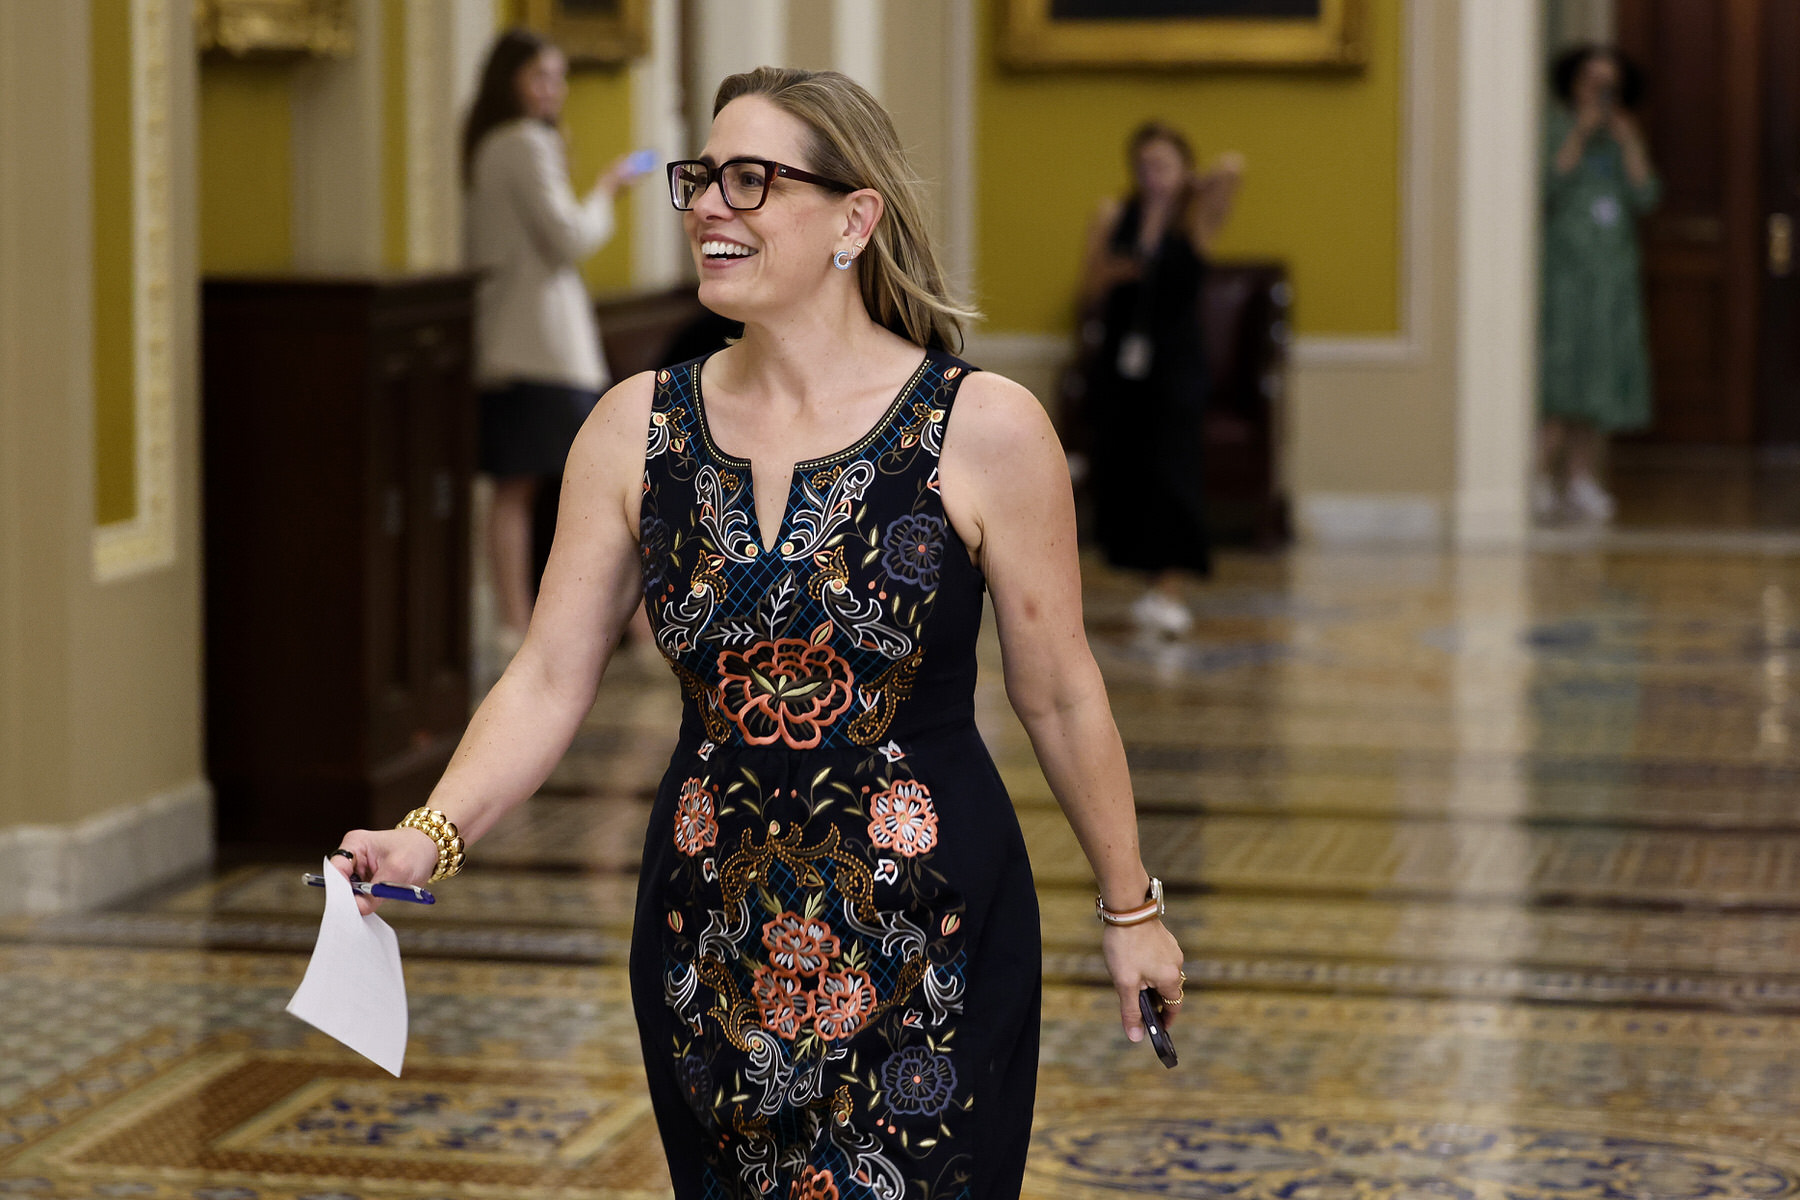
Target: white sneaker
1546,501
1159,612
1588,501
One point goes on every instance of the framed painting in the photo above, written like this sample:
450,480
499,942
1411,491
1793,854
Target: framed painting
279,29
1183,33
592,32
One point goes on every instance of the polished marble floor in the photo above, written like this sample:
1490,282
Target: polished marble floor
1488,869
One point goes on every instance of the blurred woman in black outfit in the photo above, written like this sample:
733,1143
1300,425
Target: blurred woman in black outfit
1147,381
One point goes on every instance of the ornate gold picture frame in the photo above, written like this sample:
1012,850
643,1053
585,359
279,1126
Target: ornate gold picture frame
592,32
274,28
1040,34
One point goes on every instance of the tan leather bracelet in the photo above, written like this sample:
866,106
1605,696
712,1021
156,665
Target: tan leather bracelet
1152,908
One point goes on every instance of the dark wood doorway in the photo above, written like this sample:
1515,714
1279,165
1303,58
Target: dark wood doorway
1723,119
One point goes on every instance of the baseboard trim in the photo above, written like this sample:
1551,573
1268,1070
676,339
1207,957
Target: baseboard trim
1049,351
74,868
1335,519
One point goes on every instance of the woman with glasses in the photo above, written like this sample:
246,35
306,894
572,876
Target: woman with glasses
836,958
538,361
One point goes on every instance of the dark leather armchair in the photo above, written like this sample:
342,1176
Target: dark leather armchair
1243,321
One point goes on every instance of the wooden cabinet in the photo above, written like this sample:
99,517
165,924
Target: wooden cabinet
340,433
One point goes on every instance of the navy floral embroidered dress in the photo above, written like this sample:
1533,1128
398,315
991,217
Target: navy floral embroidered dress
836,958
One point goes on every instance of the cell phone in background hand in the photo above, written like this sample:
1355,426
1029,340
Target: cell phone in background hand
1150,1007
641,162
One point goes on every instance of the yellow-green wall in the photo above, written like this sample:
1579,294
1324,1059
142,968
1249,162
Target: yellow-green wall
115,378
394,166
1322,191
597,117
246,167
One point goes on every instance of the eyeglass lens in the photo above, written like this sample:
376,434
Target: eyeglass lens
744,184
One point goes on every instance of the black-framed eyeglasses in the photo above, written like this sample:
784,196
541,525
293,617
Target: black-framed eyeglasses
744,182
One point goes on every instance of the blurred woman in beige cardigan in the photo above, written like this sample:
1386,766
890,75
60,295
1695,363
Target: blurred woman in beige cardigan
538,361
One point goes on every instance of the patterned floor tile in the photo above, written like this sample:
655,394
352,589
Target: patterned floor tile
1487,868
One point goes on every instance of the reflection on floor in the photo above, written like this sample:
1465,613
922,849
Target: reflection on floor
1488,869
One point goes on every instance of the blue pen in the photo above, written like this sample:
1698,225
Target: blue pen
381,891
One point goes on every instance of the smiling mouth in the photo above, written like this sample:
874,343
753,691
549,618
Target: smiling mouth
716,251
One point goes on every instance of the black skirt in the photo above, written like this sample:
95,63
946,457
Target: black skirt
527,428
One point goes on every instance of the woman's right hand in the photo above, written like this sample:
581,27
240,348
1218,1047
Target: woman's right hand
386,856
1115,269
618,175
1591,116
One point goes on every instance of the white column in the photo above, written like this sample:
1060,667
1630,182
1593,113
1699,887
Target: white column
856,41
433,134
337,154
733,36
659,256
1497,244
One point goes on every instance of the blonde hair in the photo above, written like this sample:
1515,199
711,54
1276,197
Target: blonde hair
854,141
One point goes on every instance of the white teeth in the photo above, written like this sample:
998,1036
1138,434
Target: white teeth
725,250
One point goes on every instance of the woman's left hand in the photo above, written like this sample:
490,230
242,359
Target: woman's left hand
1141,956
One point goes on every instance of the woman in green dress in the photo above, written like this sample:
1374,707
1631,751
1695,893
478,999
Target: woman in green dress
1595,364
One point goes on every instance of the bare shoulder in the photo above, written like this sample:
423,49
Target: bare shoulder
998,427
619,423
995,414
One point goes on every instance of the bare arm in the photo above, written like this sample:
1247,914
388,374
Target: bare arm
1626,131
568,229
591,586
1588,120
1101,269
1007,491
1216,191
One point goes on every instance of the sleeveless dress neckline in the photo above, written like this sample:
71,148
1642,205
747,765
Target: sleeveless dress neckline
704,426
860,444
835,960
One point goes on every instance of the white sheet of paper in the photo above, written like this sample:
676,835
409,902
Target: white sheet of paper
353,989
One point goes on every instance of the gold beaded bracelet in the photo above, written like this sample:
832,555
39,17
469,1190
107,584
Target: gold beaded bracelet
440,829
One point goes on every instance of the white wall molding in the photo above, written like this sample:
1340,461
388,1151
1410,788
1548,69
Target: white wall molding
1497,252
659,253
1338,519
74,868
1411,346
146,542
338,151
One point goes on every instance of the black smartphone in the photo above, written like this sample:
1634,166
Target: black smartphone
1150,1007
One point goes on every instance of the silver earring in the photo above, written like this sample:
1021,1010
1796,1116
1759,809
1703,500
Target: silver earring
842,259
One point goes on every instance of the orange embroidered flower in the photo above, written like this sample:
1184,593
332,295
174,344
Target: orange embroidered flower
696,825
813,1184
785,1006
903,820
843,1002
788,690
799,945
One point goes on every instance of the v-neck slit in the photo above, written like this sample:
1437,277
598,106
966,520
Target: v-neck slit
810,464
